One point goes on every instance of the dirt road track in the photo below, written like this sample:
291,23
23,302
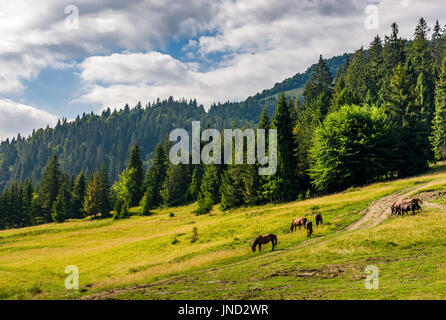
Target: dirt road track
380,209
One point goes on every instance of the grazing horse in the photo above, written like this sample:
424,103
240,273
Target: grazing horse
417,203
263,240
298,222
309,227
318,218
395,208
410,206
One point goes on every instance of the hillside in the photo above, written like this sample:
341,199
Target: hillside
153,257
92,139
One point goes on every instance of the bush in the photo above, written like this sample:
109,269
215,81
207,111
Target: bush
353,147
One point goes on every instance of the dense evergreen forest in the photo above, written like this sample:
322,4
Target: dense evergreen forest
90,140
382,116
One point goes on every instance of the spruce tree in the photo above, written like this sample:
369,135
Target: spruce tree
209,191
51,182
104,186
61,206
318,89
136,179
155,179
78,196
285,176
439,124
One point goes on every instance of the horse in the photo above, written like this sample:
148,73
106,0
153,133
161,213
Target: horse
396,206
309,227
417,203
298,222
263,240
410,206
318,218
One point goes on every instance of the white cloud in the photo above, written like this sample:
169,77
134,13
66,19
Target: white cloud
18,118
34,34
261,43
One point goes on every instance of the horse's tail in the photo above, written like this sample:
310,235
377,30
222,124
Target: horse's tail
292,225
275,240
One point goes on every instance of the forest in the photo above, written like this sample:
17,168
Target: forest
380,116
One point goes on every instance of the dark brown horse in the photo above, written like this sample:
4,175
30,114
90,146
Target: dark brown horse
263,240
309,227
318,218
298,222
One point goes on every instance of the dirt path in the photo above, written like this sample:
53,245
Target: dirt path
380,209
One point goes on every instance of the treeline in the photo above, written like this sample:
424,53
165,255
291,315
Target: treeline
58,197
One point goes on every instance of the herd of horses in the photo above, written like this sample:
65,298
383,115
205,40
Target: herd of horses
405,206
399,207
298,222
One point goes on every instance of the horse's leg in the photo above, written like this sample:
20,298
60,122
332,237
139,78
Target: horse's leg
260,247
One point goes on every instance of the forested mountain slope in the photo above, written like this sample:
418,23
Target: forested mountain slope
92,139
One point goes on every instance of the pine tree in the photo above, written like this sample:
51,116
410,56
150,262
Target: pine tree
437,48
155,179
175,185
51,182
318,89
93,196
374,71
209,191
104,186
285,176
439,124
136,179
78,196
61,206
356,76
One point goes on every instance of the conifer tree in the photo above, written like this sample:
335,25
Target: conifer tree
209,190
285,183
439,124
78,196
51,182
93,196
318,89
104,186
61,206
155,179
136,179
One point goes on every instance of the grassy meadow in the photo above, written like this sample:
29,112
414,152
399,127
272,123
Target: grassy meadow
157,257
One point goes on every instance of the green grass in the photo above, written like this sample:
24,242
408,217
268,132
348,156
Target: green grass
153,257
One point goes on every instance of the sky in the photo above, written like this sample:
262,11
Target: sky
63,58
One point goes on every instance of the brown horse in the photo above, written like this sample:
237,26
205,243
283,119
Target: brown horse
395,208
263,240
298,222
309,227
318,218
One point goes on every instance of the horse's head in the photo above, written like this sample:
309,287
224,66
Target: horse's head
254,245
